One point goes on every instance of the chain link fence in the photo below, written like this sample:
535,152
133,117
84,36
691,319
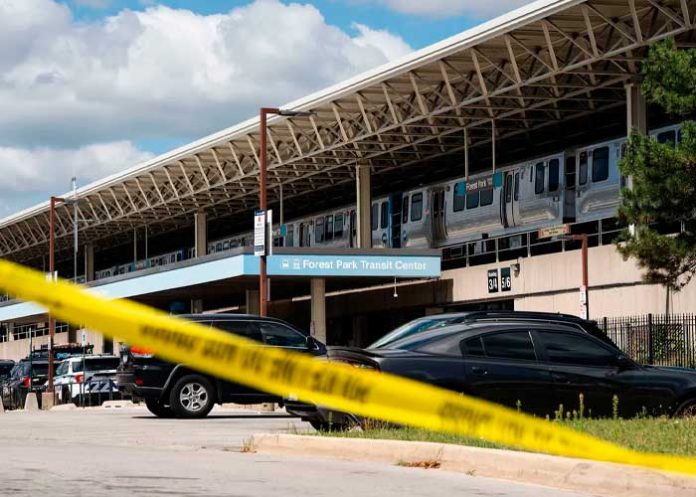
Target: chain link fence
655,339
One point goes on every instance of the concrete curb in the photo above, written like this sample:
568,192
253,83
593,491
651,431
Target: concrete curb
64,407
602,479
118,404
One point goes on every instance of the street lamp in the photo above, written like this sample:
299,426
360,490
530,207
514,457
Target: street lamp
263,171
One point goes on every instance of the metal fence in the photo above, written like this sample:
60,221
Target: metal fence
656,339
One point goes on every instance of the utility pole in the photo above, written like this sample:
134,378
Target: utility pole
52,276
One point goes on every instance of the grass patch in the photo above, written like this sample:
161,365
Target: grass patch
660,435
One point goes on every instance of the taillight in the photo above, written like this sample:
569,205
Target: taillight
139,381
141,352
26,381
79,378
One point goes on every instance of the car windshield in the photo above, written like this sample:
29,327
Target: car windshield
410,328
39,369
100,364
5,369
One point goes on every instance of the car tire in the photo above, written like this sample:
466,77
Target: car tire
159,409
687,409
192,397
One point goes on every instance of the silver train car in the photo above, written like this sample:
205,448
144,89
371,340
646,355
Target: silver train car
575,186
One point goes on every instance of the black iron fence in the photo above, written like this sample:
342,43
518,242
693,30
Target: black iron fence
656,339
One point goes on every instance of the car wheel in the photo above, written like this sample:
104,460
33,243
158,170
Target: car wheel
159,409
687,409
192,397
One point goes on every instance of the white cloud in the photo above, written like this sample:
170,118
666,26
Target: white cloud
160,73
447,8
31,175
165,72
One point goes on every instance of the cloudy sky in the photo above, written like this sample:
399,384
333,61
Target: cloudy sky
90,87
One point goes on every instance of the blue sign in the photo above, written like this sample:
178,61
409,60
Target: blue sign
352,265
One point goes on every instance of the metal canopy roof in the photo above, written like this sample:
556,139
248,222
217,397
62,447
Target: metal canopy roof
550,61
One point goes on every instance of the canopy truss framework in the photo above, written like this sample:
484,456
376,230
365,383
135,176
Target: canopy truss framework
554,61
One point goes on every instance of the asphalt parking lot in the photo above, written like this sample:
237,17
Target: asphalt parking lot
108,452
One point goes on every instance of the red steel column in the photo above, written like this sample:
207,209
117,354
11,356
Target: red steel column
263,166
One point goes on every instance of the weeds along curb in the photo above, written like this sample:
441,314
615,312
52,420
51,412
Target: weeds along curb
598,478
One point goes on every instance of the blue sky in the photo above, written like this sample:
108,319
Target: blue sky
91,87
418,30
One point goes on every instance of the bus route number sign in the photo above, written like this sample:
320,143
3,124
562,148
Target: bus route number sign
492,281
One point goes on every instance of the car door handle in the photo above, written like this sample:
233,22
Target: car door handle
479,371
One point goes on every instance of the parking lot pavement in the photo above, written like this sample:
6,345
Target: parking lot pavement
99,452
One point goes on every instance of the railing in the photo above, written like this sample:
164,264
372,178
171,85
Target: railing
33,330
527,244
655,339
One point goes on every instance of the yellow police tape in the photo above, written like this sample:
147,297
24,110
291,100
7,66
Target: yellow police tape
294,375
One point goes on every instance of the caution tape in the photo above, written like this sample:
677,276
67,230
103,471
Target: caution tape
337,386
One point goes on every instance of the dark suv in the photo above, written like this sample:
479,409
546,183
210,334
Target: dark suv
28,375
177,390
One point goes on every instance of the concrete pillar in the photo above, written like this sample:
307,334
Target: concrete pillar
318,324
636,109
196,306
10,332
364,205
89,262
252,302
201,233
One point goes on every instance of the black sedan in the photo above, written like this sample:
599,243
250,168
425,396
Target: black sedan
535,367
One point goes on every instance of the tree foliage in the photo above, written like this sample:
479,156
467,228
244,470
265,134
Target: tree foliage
663,176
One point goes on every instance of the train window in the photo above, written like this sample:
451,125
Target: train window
508,188
338,225
290,236
554,175
582,170
667,137
329,229
539,178
417,207
404,213
600,164
375,219
486,197
517,186
319,230
472,200
384,215
459,196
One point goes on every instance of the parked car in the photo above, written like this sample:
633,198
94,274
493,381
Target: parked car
87,380
440,320
534,366
178,390
28,375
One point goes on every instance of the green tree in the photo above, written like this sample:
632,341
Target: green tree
663,175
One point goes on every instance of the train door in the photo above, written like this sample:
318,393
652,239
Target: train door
570,189
507,198
353,229
437,210
395,201
301,237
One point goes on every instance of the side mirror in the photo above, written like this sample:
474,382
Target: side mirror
624,363
311,343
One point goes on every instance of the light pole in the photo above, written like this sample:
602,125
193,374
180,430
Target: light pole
52,271
263,204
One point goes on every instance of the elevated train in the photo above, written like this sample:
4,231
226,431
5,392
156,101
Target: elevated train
574,186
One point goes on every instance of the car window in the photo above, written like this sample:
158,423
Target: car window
417,207
408,329
510,345
101,364
540,177
279,335
448,346
473,347
566,348
459,196
63,368
246,329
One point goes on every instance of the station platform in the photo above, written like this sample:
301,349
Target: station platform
222,280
